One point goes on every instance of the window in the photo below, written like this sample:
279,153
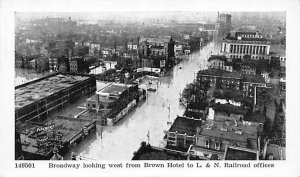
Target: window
217,145
207,143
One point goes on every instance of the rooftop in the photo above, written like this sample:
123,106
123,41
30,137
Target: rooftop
247,39
36,90
185,125
156,40
255,117
217,57
246,33
220,73
240,132
156,47
235,95
148,152
114,89
69,127
253,78
229,108
238,153
249,62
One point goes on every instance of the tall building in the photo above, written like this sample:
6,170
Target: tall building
160,50
246,43
224,21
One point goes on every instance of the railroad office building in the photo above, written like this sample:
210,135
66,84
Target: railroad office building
246,43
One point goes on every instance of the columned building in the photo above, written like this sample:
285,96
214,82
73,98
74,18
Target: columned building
246,43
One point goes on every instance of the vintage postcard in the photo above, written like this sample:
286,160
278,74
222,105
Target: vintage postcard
148,88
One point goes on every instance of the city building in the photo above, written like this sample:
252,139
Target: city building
106,52
248,67
114,98
239,153
61,134
182,133
225,96
94,49
178,48
227,111
148,152
282,61
35,100
221,79
132,45
246,43
160,50
273,152
77,65
224,21
53,64
216,135
250,82
220,62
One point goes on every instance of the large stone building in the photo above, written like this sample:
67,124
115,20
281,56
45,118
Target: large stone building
246,43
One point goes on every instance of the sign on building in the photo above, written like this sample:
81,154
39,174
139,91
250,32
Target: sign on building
162,63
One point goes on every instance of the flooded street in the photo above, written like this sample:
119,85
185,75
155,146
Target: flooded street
120,141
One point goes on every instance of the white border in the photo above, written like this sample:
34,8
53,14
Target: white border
289,168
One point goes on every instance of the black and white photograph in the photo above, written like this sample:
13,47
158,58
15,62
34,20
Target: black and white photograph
151,87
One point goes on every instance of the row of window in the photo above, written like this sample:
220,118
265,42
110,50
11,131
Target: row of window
252,36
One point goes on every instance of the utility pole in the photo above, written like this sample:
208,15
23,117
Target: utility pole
148,136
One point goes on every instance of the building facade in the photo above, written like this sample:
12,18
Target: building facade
246,43
219,62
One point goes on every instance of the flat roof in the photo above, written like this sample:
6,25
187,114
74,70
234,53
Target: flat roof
238,153
220,73
39,89
229,108
214,129
185,125
69,127
255,117
236,95
217,57
253,78
114,89
102,84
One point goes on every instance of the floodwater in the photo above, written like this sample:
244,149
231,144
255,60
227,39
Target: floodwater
151,117
23,76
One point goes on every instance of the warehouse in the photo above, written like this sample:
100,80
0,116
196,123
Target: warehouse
35,100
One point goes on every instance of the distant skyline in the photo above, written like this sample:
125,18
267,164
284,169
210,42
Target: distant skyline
138,15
